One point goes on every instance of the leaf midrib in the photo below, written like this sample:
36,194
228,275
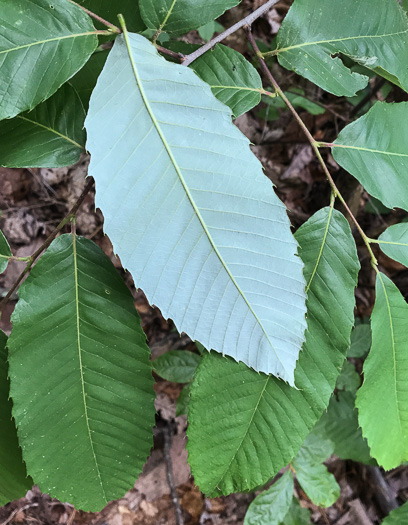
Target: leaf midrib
187,191
77,321
51,130
333,40
40,42
369,150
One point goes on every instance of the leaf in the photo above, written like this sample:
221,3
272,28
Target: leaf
297,515
257,423
42,45
5,253
14,482
232,78
207,31
177,365
340,425
374,150
397,516
373,34
360,342
183,191
181,16
51,135
85,80
272,505
80,374
319,484
109,11
382,401
349,378
394,242
183,401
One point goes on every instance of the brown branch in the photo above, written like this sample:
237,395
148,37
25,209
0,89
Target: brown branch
168,52
247,21
312,141
104,22
48,241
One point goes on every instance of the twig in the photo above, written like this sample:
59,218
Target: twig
104,22
247,21
313,143
169,473
168,52
48,241
383,494
15,512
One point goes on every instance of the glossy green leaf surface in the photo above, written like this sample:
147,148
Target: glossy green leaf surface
394,242
190,212
14,482
51,135
42,45
374,149
85,80
383,396
398,516
85,416
109,10
232,78
314,478
257,423
5,252
272,505
340,425
181,16
374,33
176,365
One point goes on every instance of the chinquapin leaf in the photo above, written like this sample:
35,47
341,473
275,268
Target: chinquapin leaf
272,505
394,242
340,425
190,212
5,253
81,380
232,78
51,135
374,149
207,31
397,516
349,378
109,11
360,342
85,80
42,45
382,401
183,401
374,33
296,515
319,484
14,481
181,16
176,365
257,423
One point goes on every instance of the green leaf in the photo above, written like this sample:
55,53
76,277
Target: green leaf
297,515
397,516
181,16
373,33
232,78
51,135
177,365
314,478
360,342
207,31
394,242
382,401
183,401
340,425
374,150
272,505
14,482
349,378
80,375
42,45
109,11
85,80
258,423
5,253
183,191
300,101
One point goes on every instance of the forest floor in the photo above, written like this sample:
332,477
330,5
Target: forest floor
32,202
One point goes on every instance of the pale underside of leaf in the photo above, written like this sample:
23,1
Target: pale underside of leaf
256,423
374,33
190,212
81,380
